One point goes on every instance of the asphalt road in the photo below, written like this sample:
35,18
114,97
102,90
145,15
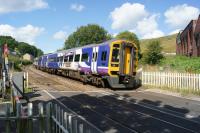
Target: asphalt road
116,113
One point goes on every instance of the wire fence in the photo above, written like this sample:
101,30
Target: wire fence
172,80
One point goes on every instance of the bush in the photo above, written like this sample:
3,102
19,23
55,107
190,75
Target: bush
17,63
153,53
26,62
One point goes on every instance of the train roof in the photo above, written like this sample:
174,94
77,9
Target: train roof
86,46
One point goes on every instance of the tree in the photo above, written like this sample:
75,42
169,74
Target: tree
153,53
12,43
20,47
92,33
130,36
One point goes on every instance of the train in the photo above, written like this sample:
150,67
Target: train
111,63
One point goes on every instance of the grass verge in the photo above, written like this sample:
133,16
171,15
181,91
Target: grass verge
182,92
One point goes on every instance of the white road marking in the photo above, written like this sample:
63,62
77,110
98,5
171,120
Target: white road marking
67,91
128,91
189,116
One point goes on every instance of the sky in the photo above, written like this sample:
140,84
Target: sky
47,23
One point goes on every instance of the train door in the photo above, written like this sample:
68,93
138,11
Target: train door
77,58
94,59
127,60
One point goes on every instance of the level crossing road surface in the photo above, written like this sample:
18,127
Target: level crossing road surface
118,111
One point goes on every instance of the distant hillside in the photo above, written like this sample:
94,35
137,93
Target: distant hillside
167,42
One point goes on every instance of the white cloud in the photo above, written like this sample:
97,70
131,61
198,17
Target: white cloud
26,33
179,16
60,35
148,27
127,15
77,7
134,17
7,6
174,32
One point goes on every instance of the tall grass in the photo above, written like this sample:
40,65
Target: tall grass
182,63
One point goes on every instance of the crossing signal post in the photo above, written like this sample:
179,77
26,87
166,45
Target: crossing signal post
5,83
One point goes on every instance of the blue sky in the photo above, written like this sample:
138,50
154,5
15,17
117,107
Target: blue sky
47,23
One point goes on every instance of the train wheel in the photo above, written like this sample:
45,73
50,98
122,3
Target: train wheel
103,85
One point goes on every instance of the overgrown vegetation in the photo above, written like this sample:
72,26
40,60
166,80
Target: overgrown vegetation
16,63
153,53
182,63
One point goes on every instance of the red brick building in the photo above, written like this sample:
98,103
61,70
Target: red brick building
188,40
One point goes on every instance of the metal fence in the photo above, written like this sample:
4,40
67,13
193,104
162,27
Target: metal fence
50,118
172,80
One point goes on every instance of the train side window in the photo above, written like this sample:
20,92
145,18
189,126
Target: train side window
96,56
61,59
115,55
66,59
77,58
103,56
116,45
85,57
71,58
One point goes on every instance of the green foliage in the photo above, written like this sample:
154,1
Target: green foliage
182,63
20,47
153,53
130,36
18,63
92,33
26,62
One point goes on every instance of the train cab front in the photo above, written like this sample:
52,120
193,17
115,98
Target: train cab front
122,64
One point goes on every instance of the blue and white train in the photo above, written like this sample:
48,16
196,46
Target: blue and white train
112,63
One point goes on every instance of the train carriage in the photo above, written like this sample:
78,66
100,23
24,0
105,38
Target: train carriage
113,62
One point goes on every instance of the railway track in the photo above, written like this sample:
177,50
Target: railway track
117,111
